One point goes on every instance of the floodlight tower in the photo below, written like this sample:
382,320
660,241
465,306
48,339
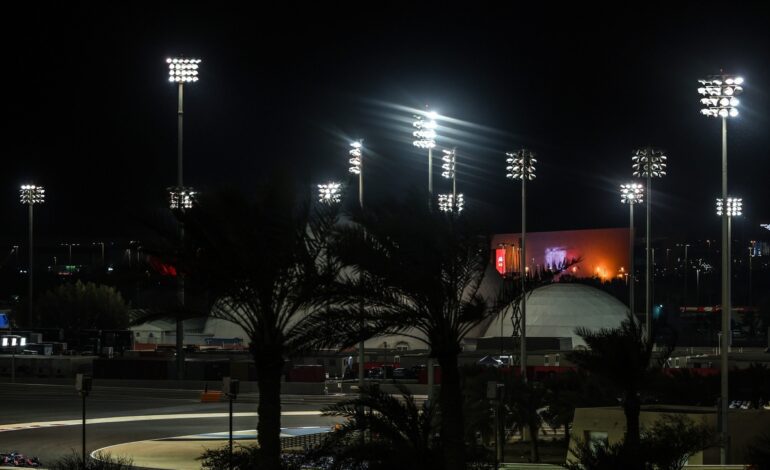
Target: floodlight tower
719,98
357,168
521,166
181,70
631,193
30,195
648,163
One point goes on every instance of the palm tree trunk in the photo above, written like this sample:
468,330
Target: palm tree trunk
269,369
533,447
451,406
632,408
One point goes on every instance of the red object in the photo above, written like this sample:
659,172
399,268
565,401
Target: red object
162,268
306,373
500,260
422,377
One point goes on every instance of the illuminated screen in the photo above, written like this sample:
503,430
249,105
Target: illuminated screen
555,257
4,321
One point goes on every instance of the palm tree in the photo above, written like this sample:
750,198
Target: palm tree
401,433
420,275
524,402
264,266
623,357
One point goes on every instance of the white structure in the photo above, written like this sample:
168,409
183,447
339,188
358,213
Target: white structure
555,310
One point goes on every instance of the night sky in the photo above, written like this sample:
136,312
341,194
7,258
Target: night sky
90,114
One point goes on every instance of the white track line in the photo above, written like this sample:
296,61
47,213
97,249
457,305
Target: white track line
127,419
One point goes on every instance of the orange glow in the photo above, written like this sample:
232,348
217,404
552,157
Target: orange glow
602,252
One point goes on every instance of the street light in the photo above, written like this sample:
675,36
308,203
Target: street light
631,193
330,193
425,138
521,166
648,163
719,98
30,195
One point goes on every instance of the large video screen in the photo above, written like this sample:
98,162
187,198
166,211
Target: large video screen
4,323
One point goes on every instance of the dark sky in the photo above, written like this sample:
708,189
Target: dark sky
90,115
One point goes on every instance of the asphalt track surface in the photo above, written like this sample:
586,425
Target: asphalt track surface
20,403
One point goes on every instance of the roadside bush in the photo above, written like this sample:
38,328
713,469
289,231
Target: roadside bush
101,461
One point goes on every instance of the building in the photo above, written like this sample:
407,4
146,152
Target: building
599,253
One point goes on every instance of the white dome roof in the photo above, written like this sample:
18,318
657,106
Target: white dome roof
555,310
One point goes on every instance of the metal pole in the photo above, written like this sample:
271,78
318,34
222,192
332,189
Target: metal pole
230,454
648,263
523,326
724,457
180,134
430,205
31,314
84,431
631,276
430,174
361,345
180,363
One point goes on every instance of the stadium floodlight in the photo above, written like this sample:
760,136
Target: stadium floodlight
521,166
451,203
330,193
648,163
718,95
30,195
448,166
631,194
183,70
355,160
734,206
181,198
719,99
425,138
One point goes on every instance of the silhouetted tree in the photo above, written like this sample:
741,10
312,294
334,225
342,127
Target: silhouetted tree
82,306
264,265
624,358
421,272
399,433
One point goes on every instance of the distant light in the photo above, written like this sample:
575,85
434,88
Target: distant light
425,133
734,207
631,193
446,203
31,194
448,166
649,162
355,162
521,164
183,70
181,197
329,193
23,341
718,95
